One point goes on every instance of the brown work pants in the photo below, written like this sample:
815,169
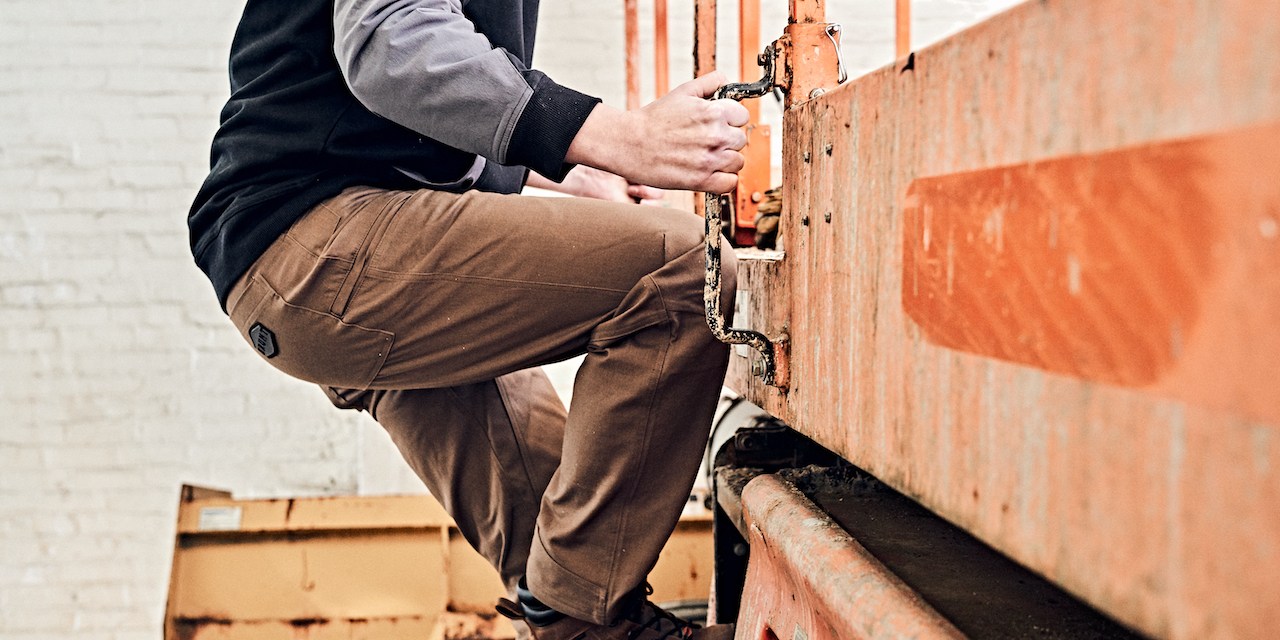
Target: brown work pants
430,311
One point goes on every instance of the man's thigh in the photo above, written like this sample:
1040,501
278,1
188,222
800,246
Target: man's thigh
421,289
476,285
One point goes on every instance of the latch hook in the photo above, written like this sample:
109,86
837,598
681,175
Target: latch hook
714,209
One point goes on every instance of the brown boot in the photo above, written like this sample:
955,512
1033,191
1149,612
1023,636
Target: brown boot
645,621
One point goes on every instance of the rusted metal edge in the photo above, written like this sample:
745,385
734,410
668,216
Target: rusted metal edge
806,574
730,481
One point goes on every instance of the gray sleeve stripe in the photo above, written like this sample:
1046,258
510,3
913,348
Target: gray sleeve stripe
421,64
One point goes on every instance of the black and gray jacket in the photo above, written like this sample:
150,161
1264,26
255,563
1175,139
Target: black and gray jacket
327,94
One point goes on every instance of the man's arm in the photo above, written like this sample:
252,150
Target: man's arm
421,64
680,141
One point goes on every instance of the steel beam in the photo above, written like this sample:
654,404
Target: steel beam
853,597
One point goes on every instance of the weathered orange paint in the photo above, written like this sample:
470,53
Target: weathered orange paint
808,579
809,61
1103,266
807,10
1153,494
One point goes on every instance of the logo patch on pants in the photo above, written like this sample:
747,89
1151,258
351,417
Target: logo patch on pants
263,340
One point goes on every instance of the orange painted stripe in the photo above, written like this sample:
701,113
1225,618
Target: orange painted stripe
1155,267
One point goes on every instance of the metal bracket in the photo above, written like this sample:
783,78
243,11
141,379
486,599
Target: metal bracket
715,205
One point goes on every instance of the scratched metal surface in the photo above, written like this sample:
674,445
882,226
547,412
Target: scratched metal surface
1046,302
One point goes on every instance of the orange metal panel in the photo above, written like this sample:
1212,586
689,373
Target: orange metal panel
1031,281
1103,267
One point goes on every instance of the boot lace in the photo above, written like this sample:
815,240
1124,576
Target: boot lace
652,618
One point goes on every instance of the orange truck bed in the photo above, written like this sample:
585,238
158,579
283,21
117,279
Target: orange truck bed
1030,278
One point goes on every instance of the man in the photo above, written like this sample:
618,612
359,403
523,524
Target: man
357,228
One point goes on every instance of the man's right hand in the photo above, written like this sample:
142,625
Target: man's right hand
680,141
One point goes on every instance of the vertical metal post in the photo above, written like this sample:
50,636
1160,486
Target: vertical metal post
808,10
902,19
661,53
632,21
749,49
704,37
812,60
704,53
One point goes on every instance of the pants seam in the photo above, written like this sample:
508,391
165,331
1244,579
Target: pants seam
409,276
610,586
488,437
515,434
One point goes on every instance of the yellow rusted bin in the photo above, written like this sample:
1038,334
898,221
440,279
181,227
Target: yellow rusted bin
355,568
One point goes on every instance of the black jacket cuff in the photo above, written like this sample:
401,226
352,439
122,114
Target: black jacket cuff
546,128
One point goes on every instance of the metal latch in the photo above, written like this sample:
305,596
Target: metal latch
714,209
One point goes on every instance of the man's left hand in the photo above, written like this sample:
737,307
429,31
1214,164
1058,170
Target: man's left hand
589,182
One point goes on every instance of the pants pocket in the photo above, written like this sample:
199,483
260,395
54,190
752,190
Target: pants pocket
310,345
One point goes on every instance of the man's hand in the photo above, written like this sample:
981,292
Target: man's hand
587,182
680,141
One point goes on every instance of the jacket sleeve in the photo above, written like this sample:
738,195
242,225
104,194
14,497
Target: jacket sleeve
423,65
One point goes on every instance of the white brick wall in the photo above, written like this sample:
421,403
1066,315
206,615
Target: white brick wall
119,377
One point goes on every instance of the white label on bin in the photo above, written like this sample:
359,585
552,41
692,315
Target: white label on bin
220,518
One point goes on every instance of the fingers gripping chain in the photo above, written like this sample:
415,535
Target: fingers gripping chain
715,205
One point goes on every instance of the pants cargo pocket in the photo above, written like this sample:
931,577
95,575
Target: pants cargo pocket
307,344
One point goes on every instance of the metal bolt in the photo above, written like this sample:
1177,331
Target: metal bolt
806,157
804,220
829,148
827,217
740,550
756,197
